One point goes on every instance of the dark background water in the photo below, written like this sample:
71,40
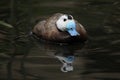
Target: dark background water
28,59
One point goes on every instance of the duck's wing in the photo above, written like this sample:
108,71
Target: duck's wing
39,28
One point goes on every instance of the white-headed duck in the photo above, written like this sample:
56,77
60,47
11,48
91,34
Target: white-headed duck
61,28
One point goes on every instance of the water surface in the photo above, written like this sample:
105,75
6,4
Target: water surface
26,58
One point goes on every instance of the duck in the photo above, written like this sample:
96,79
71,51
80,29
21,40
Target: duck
60,28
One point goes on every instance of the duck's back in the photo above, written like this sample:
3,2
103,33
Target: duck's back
48,31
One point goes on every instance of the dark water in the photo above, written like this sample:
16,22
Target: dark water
26,58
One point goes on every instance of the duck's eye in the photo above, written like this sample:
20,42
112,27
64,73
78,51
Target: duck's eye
64,20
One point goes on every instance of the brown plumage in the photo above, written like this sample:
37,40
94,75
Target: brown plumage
47,29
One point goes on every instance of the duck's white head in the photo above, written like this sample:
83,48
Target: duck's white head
67,23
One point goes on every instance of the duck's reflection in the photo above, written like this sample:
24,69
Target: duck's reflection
67,62
66,56
64,53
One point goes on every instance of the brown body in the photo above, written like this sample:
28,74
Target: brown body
47,30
